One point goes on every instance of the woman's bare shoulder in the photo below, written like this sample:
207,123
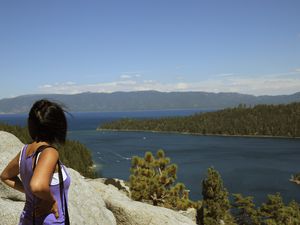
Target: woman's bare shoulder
50,152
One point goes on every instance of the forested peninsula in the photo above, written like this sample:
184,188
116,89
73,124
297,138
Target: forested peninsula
261,120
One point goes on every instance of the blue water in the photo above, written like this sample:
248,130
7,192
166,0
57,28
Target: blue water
251,166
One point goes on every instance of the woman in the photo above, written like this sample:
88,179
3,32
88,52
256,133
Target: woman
37,163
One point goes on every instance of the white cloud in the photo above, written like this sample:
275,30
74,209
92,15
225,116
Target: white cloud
268,84
125,76
148,81
126,82
130,75
182,86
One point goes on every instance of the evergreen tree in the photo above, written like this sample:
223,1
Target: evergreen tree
270,209
245,211
274,211
215,207
152,180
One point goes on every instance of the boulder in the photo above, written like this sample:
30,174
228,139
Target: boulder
129,212
86,206
11,201
190,213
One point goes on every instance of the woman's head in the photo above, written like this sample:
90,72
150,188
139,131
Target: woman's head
47,122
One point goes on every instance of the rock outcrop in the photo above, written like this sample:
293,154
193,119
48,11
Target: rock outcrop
91,201
11,201
129,212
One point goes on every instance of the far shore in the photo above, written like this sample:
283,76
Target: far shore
198,134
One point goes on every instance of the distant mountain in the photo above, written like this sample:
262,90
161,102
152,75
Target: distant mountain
144,100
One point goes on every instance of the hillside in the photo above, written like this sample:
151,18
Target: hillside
144,100
260,120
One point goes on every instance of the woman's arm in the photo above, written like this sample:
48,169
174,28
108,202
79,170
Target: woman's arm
43,173
10,174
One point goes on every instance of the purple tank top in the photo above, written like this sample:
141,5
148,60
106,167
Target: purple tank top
26,173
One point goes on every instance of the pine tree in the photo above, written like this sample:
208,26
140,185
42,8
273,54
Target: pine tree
245,211
152,180
215,207
274,211
270,209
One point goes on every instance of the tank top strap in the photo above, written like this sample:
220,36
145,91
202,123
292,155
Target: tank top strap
63,167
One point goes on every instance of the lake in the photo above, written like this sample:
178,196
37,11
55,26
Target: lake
251,166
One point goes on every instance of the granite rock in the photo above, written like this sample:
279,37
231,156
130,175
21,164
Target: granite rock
129,212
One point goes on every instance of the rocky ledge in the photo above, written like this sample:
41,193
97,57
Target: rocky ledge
91,201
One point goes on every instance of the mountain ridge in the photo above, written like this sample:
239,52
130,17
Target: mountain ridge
144,100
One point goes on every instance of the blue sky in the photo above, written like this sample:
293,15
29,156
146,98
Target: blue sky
75,46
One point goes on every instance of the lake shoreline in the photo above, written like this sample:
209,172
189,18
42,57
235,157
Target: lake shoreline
198,134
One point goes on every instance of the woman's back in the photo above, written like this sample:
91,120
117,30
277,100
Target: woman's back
26,171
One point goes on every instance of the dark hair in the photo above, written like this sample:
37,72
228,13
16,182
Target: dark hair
47,122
